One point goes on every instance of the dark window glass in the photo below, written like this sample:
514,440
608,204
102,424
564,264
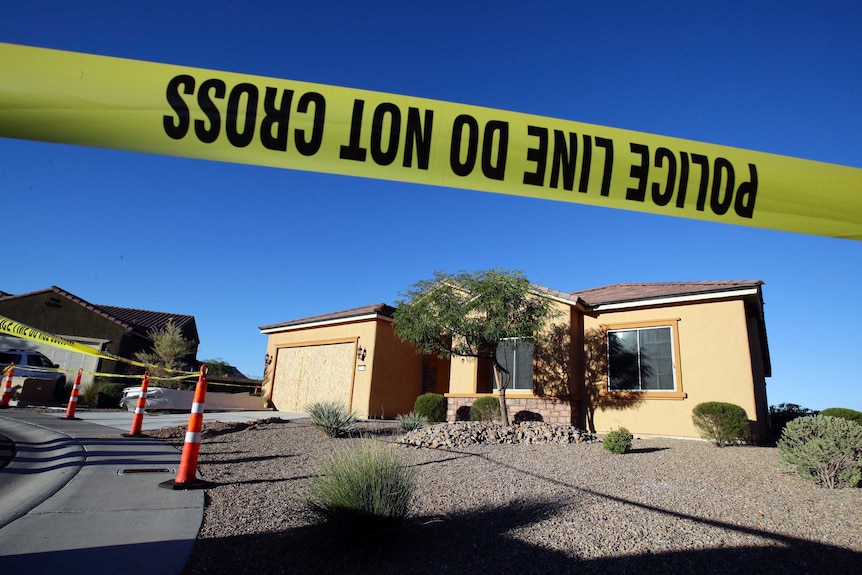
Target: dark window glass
641,359
516,355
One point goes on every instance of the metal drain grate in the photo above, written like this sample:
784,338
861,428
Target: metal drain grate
142,470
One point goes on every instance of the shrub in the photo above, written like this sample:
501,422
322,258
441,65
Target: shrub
89,395
844,413
462,413
109,395
525,415
783,413
618,441
412,421
824,449
485,408
365,492
721,422
332,417
432,406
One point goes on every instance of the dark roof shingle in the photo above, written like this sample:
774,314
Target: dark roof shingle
631,292
145,321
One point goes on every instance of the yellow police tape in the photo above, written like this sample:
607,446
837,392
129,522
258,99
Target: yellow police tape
96,373
11,327
74,98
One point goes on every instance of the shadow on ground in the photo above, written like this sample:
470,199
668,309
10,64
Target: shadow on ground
479,543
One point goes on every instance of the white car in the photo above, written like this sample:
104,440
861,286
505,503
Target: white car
30,363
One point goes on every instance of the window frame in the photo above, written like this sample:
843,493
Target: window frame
514,373
678,392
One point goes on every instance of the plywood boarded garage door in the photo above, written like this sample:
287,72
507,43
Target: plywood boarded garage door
307,374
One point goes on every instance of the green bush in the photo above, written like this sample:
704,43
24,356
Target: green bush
89,395
109,395
721,422
412,421
332,417
525,415
485,408
365,492
618,441
824,449
844,413
432,406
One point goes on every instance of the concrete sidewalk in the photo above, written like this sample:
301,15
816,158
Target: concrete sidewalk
78,497
122,420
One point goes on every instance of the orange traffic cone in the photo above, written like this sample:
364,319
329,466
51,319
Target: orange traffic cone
138,419
7,389
73,399
187,474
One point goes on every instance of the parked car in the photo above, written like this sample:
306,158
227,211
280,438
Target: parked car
30,363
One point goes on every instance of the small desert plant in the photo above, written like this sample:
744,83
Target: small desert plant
432,406
618,441
485,408
844,413
525,415
462,413
89,395
721,422
101,393
824,449
365,492
332,417
109,395
412,421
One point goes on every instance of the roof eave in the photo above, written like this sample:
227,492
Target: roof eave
677,299
289,326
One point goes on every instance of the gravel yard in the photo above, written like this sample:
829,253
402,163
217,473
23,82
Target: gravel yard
670,506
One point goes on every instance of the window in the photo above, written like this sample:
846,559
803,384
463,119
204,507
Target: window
641,359
516,355
39,360
7,358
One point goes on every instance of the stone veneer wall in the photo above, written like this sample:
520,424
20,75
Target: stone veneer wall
552,410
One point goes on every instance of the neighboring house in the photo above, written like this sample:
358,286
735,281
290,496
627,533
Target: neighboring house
639,356
119,331
231,381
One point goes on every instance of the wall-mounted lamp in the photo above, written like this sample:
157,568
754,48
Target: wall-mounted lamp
267,359
360,353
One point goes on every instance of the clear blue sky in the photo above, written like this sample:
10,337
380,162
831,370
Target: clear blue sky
243,246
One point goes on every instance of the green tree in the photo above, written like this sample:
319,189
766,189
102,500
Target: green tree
167,354
467,314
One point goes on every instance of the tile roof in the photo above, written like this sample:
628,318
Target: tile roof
380,309
632,292
146,321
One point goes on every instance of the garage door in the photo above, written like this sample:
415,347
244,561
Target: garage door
308,374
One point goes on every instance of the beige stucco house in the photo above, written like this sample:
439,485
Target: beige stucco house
639,356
